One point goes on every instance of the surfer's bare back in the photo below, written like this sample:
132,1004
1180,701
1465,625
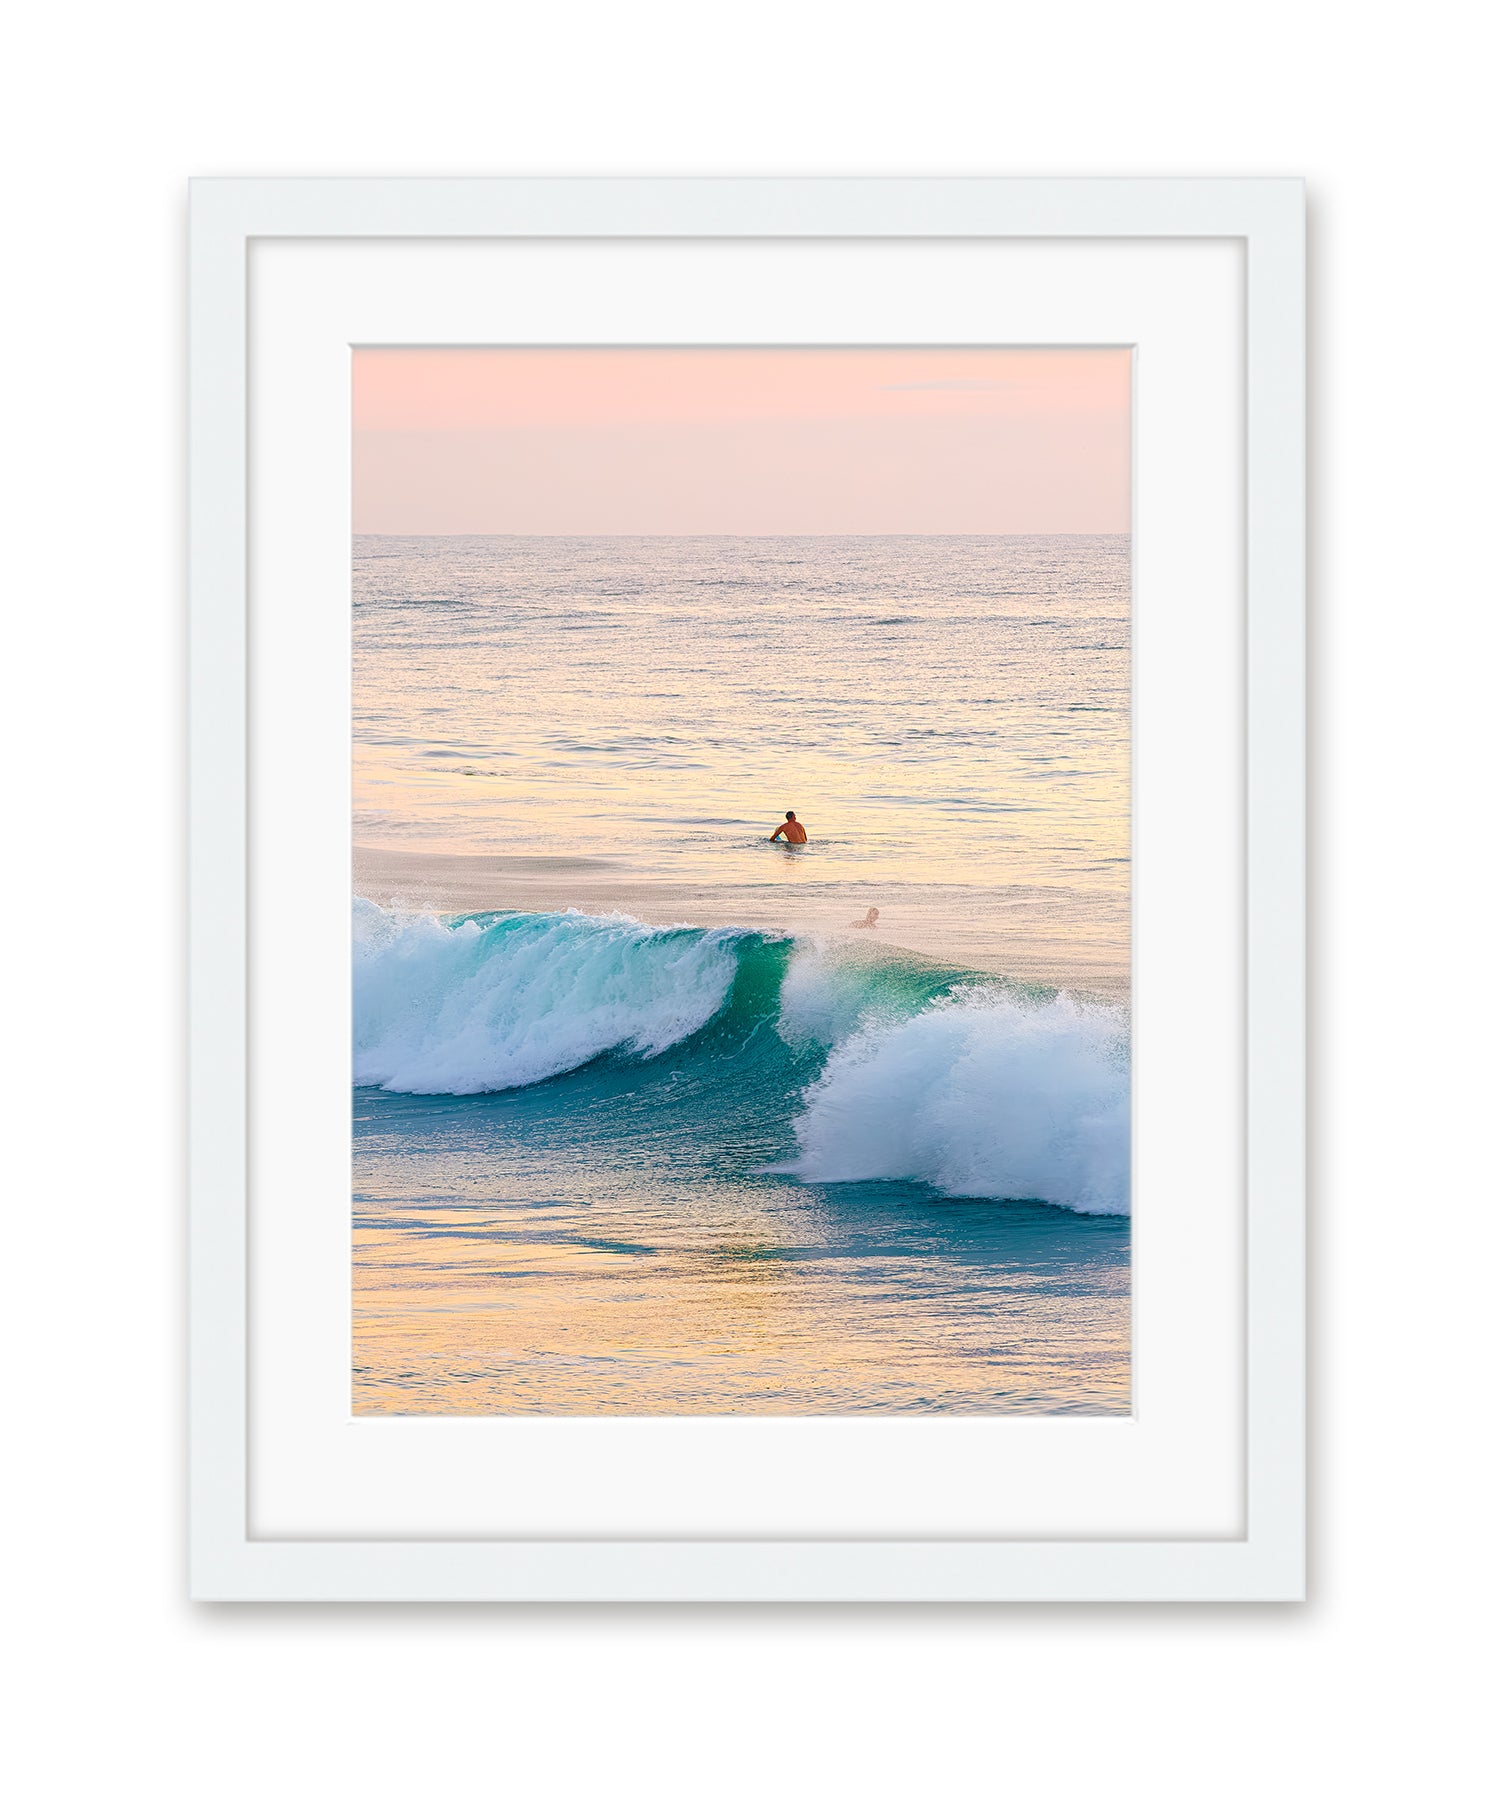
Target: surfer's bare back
792,830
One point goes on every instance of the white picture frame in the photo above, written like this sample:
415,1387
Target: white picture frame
1262,1557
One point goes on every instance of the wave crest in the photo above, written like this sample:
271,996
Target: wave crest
977,1087
493,1003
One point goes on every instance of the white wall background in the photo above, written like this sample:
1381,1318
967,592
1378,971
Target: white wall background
1375,1686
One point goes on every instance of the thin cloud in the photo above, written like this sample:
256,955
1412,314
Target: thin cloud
958,385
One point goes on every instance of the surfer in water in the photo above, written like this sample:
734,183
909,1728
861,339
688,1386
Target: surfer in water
791,830
867,923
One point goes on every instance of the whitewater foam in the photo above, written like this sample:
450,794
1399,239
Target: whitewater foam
980,1095
491,1003
975,1087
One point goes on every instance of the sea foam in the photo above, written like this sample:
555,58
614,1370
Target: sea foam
976,1087
982,1095
493,1003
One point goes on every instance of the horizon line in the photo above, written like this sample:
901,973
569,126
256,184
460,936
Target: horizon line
553,535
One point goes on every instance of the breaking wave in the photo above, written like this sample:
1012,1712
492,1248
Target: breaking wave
885,1066
482,1004
981,1095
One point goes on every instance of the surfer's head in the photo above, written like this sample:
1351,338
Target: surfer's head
791,815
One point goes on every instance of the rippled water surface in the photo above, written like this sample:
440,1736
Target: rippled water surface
937,710
768,1163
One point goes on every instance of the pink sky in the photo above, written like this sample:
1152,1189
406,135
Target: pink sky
582,441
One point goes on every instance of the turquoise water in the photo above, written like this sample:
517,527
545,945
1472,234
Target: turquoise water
728,1171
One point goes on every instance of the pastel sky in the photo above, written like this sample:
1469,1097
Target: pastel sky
574,442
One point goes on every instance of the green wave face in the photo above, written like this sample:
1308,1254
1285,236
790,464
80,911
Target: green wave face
779,1057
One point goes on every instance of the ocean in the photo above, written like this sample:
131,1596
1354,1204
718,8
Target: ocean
644,1122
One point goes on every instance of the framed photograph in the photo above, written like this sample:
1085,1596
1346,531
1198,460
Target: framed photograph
747,890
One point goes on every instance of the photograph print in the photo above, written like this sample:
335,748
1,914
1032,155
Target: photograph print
741,881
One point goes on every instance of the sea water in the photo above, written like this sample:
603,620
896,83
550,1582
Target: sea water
745,1158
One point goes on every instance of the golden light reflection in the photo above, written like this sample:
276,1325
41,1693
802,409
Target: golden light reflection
488,1321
